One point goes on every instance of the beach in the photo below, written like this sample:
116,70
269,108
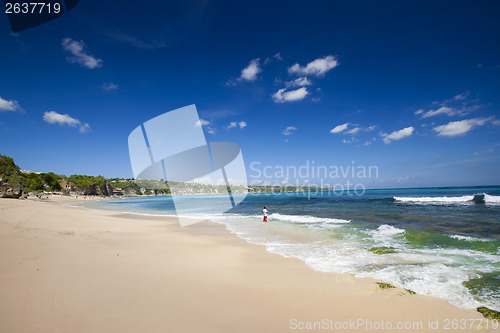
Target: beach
67,269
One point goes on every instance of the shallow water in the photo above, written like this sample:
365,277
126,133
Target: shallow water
434,241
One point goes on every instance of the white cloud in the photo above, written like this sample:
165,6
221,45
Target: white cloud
484,152
462,96
202,122
339,128
283,95
107,86
369,142
318,67
80,54
234,124
300,82
289,130
353,130
250,72
455,128
53,117
397,135
207,125
449,111
277,56
456,106
6,105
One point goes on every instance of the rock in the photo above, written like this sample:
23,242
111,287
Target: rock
94,189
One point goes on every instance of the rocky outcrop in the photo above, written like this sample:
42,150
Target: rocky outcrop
10,178
104,189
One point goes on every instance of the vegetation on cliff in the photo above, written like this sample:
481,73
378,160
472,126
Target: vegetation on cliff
13,181
10,178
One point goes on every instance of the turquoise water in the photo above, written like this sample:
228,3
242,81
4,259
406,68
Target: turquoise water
434,241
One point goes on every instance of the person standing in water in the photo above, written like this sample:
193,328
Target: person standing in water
264,211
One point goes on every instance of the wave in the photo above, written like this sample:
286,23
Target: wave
305,219
492,199
476,198
386,229
469,238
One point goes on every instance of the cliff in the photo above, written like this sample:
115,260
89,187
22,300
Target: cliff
101,188
10,178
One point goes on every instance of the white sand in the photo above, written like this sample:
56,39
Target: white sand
65,269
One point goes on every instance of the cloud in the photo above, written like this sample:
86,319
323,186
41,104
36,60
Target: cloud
277,56
484,152
318,67
449,111
283,95
207,125
202,122
353,130
397,135
134,41
108,86
53,117
339,128
289,130
461,127
462,96
250,72
80,54
369,142
456,106
234,124
6,105
300,82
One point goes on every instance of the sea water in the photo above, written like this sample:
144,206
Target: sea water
433,241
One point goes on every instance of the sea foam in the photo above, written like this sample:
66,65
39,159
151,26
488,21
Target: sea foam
465,199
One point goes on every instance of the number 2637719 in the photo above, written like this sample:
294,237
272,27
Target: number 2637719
32,8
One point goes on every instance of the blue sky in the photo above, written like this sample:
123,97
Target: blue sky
411,87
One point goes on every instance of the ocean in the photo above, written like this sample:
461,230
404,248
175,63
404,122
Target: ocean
433,241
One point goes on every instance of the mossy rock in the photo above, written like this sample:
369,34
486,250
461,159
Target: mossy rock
489,313
384,286
382,250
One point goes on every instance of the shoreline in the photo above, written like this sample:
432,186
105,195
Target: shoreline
66,268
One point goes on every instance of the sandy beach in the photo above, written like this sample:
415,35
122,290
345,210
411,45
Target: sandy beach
67,269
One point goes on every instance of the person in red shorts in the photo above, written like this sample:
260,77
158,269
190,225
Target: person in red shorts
264,211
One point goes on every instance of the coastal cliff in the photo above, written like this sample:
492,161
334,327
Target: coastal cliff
10,178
